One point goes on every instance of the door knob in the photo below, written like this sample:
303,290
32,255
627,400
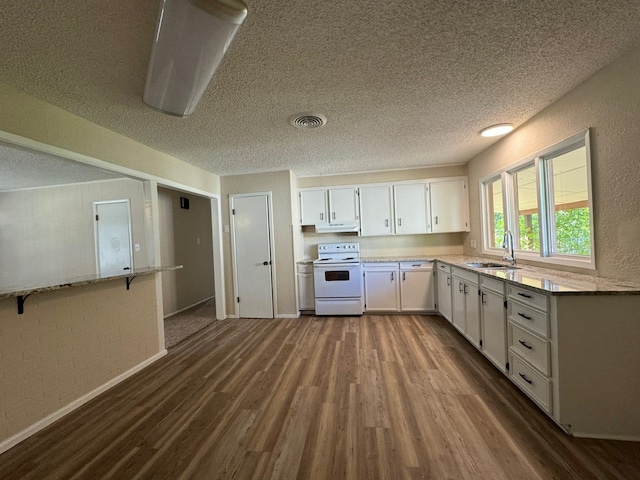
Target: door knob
265,263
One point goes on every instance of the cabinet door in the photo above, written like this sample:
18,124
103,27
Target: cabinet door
313,207
411,208
472,309
306,295
449,206
376,217
343,205
444,294
459,307
494,338
416,291
381,290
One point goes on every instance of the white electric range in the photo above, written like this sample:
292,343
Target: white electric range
337,276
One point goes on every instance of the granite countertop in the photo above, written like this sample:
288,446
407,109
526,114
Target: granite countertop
305,261
23,290
544,280
412,258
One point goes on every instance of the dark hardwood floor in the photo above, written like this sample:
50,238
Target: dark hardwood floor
372,397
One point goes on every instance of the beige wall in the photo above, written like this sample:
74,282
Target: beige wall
47,234
379,177
69,342
396,245
280,184
185,239
609,103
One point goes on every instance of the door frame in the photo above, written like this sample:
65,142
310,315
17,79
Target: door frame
95,231
272,250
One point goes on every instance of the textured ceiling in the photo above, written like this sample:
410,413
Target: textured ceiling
402,83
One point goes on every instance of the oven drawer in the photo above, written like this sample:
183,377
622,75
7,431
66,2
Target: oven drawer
339,306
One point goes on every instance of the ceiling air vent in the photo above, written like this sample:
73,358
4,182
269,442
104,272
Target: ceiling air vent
308,121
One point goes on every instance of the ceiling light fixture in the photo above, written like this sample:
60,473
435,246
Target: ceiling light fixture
190,40
497,130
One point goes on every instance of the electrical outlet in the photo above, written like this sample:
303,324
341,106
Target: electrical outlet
473,244
137,247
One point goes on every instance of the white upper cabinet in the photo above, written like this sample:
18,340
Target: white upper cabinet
343,205
411,208
449,206
313,207
376,210
406,207
334,205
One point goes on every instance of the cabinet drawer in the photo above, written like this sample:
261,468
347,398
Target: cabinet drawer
529,318
532,348
536,386
443,267
376,266
469,277
536,300
426,265
492,284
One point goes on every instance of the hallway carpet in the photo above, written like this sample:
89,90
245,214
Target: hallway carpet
182,325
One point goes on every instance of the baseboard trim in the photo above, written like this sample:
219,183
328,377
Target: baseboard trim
190,306
288,315
624,438
49,419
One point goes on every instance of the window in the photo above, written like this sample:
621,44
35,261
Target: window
545,201
495,210
526,201
571,216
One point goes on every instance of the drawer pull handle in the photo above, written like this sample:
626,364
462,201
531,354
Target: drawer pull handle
524,295
524,316
524,377
525,344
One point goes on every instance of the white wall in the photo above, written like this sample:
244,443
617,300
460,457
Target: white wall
609,103
47,234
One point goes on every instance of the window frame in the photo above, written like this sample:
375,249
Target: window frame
544,188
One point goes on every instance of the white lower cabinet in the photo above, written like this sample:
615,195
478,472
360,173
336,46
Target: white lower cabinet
573,354
493,320
399,287
306,294
416,287
466,304
530,345
381,287
444,290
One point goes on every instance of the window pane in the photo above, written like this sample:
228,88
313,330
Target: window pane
528,234
571,203
496,214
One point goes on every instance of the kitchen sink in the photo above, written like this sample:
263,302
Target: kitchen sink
491,265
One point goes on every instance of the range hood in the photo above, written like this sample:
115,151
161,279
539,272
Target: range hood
347,227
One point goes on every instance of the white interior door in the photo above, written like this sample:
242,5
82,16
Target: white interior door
252,255
113,237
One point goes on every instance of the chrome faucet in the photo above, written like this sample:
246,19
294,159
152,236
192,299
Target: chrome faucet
507,243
